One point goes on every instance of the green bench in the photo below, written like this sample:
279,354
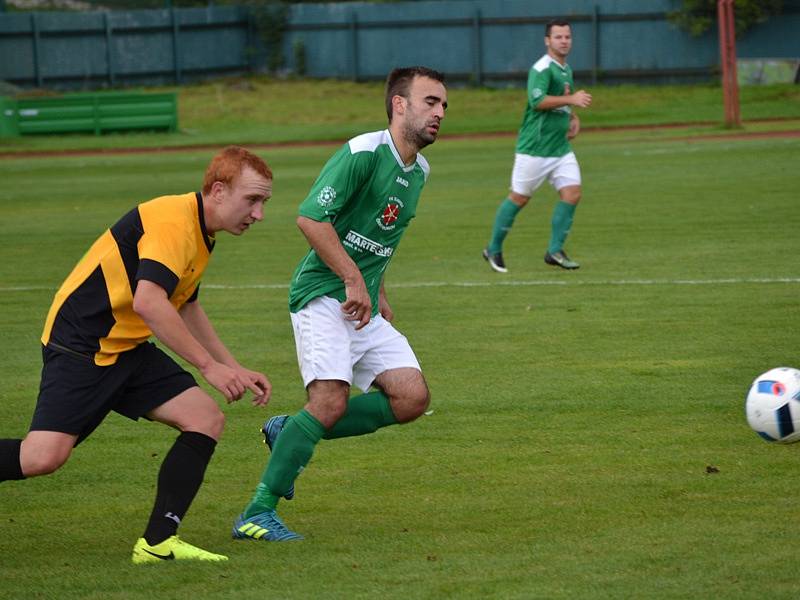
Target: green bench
88,113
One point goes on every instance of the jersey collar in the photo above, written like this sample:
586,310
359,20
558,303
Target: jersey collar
208,239
393,148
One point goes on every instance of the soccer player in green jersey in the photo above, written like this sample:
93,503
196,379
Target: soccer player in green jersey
543,150
141,278
353,218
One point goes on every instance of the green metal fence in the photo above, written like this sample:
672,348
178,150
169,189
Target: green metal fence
491,42
88,113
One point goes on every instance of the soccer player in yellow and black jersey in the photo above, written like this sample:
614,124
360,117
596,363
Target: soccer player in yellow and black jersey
140,279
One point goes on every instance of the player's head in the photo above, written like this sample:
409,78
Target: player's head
235,187
416,100
399,81
558,38
228,164
557,23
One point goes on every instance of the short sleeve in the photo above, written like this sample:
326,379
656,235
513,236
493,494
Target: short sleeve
538,84
340,177
164,255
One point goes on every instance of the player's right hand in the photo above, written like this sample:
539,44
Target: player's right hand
581,99
358,305
230,382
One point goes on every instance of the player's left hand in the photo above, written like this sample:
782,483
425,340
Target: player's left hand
574,127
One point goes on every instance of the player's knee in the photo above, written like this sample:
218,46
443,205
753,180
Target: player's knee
43,463
327,401
571,195
519,199
412,404
210,422
216,424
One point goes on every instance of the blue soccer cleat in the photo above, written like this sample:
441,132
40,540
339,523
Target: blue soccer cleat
271,429
264,527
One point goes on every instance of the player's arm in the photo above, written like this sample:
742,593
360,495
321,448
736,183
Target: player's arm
580,99
538,85
202,330
151,303
325,241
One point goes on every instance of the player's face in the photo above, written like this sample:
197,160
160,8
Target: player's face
559,42
242,203
424,110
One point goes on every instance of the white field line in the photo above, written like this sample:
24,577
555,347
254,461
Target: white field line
471,284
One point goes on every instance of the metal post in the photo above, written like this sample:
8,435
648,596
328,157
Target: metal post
109,48
37,51
176,47
477,49
354,44
595,43
727,50
733,81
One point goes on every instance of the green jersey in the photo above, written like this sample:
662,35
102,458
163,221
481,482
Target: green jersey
369,196
544,132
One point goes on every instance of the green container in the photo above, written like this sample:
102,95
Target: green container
9,125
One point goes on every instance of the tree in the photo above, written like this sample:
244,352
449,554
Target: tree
697,16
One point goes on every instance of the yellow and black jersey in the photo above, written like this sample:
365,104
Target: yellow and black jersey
164,241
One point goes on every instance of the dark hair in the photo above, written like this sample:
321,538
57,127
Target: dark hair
229,163
399,81
556,23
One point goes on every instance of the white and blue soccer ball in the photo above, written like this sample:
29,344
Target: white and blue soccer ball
773,405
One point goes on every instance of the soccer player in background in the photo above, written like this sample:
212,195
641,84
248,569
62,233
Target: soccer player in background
543,150
141,278
353,219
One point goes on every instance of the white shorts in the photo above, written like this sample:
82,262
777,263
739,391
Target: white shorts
329,347
530,172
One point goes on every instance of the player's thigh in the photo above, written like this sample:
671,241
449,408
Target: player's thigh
75,394
161,390
529,173
322,341
191,410
381,348
566,178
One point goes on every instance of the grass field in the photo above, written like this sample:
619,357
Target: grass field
576,414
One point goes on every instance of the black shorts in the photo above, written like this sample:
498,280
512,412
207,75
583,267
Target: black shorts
75,394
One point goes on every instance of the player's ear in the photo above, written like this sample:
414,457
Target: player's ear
217,190
398,104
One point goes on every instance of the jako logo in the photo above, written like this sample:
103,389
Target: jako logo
401,181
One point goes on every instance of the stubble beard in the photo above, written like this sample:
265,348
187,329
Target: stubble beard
419,138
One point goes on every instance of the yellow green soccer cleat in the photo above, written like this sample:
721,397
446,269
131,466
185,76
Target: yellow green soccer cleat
173,548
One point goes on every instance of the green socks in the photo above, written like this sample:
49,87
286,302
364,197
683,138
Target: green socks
561,224
290,455
301,433
365,414
503,221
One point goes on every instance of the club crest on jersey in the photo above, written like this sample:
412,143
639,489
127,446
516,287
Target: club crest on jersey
326,196
388,219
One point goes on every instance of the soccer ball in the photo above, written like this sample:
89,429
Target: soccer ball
773,405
